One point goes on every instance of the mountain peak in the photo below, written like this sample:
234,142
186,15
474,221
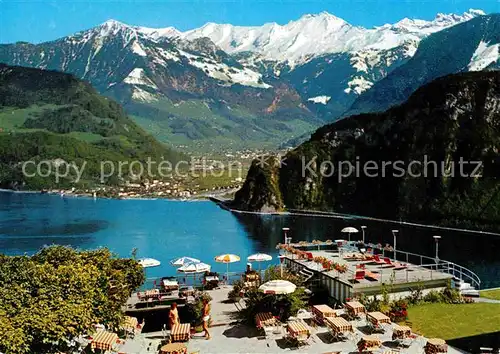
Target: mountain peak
111,23
112,27
323,15
476,12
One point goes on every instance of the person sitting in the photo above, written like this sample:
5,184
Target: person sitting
173,316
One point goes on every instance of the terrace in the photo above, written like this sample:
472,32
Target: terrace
367,271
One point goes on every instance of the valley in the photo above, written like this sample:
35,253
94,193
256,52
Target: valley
221,88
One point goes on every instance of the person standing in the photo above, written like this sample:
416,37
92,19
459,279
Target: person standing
206,317
173,315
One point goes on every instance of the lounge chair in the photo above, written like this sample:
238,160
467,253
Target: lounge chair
359,275
371,275
377,260
388,262
396,265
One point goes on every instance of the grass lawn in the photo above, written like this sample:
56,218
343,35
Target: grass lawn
491,294
455,321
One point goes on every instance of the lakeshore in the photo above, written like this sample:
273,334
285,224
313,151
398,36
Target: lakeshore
166,229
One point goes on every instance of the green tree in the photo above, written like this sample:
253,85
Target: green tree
59,294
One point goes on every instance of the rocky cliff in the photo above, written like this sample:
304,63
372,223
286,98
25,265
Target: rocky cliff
433,158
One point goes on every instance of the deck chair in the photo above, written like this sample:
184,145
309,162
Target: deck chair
359,275
377,260
388,262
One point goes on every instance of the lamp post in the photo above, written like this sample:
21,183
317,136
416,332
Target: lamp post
285,231
363,230
437,238
282,258
394,233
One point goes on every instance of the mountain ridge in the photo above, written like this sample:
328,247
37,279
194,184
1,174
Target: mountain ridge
55,117
437,55
451,119
191,92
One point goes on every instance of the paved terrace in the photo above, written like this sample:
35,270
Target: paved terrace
229,336
382,273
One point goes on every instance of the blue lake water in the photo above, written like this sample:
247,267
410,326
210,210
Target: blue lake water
165,229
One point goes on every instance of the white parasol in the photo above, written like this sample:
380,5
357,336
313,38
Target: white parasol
349,230
178,262
277,287
194,268
259,257
148,262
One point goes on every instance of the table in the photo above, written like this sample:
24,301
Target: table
186,290
265,319
322,311
297,328
170,284
173,348
339,324
400,332
131,346
354,308
104,340
435,345
377,318
369,343
149,294
180,332
130,323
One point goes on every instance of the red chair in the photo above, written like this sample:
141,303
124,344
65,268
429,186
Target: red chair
377,260
309,256
389,262
360,275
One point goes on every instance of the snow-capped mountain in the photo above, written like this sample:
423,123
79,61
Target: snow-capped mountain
179,90
469,46
314,35
247,85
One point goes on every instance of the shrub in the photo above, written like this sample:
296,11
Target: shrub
416,295
194,311
433,296
235,293
274,273
283,306
399,310
452,296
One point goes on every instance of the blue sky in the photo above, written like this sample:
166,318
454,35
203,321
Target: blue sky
39,20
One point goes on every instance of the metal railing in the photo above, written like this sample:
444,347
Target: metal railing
190,279
432,264
444,266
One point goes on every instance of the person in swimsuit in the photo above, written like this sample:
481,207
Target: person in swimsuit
206,317
173,316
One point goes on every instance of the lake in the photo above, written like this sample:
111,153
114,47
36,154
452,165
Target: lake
166,229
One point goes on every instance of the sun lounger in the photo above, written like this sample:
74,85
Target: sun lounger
396,265
359,275
377,260
372,276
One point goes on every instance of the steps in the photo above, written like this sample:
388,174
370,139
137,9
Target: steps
465,288
306,274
